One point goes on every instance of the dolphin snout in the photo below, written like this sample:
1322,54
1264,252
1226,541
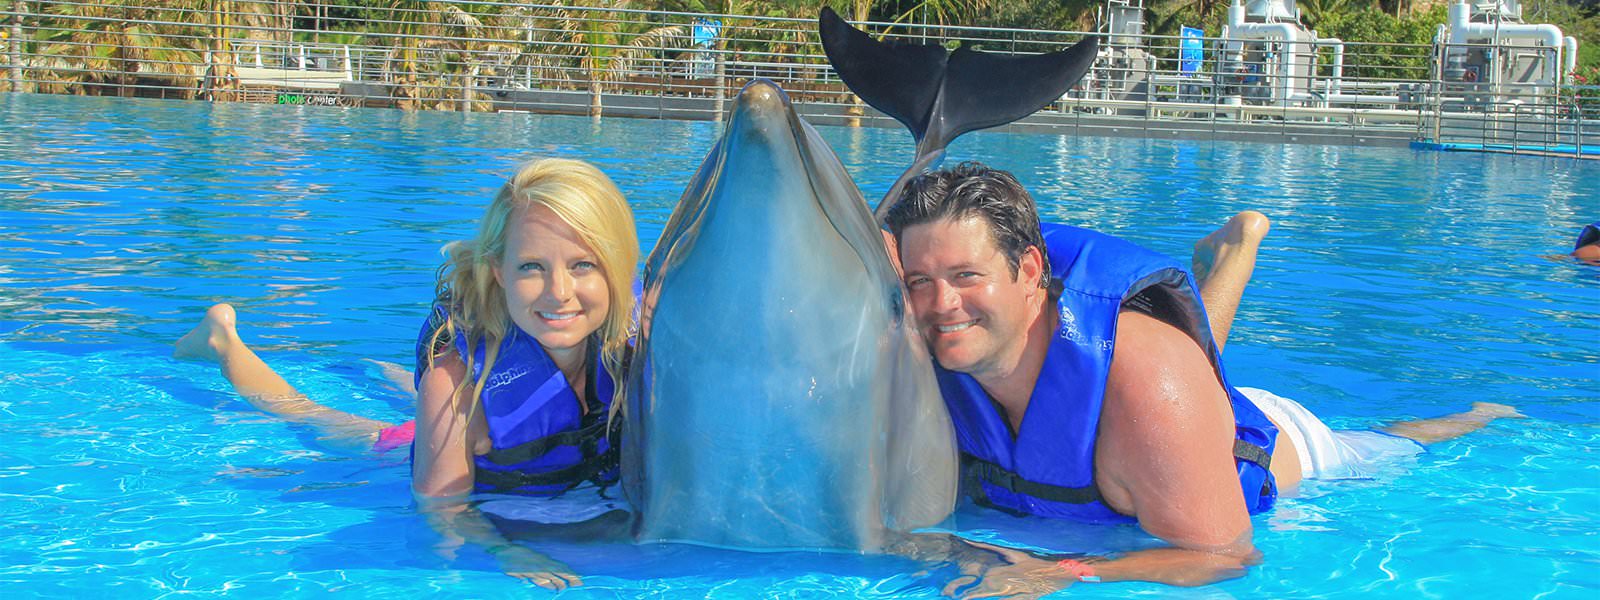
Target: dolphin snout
763,122
762,94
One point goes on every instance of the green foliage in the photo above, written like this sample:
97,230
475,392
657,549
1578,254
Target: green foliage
1062,15
1409,41
1169,16
1580,20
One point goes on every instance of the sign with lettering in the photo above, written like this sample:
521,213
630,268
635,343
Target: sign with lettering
310,99
1191,50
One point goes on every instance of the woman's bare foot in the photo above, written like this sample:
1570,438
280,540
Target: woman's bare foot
212,338
399,377
1238,239
216,339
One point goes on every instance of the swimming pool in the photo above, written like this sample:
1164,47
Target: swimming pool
1395,283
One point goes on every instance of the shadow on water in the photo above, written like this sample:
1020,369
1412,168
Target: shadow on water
393,535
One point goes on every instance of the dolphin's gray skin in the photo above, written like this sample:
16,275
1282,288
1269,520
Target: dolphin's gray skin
779,397
940,95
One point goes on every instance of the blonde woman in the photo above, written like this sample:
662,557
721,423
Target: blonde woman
516,367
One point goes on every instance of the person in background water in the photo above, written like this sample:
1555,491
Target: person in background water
1587,249
515,368
1084,376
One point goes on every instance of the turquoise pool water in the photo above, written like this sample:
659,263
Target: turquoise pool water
1395,284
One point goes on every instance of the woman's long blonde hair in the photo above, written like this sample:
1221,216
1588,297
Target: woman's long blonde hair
588,202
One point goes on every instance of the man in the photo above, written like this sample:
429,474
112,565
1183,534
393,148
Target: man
1084,382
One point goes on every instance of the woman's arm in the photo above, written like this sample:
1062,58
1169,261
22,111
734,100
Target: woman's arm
442,475
442,461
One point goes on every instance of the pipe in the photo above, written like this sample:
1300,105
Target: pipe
1338,61
1364,99
1462,30
1572,54
1285,33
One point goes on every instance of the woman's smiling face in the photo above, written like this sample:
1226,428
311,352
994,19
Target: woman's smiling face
554,286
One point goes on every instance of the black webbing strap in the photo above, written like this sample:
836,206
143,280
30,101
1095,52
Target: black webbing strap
999,476
1247,451
1003,478
528,451
588,470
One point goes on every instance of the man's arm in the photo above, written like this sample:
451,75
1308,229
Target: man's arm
1165,456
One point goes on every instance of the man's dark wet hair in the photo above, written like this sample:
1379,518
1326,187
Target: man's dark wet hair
973,190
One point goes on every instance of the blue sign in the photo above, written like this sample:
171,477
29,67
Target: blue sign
1191,50
705,30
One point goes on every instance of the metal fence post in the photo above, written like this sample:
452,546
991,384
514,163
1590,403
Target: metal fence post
720,78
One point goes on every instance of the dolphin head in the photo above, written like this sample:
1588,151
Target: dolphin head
778,397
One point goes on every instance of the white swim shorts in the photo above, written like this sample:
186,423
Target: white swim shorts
1329,454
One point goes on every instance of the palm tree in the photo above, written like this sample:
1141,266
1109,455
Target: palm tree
429,55
220,79
115,43
945,12
591,38
14,48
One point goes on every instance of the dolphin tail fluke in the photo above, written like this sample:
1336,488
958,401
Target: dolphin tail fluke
939,95
901,80
983,90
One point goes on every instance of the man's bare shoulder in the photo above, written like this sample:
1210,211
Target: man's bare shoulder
1165,422
1152,355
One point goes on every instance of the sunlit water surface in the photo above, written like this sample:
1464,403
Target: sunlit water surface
1395,284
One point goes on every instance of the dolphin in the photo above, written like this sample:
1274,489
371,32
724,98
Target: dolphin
940,95
779,397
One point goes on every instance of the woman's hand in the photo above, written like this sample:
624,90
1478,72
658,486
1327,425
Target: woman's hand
533,567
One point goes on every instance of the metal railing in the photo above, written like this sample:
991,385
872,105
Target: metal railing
491,55
1570,126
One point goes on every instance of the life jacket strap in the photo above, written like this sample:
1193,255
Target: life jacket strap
585,436
1008,480
1243,450
1003,478
572,476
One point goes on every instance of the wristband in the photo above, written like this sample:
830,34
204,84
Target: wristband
1083,572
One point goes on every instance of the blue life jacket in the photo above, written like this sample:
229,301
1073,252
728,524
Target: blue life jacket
542,443
1048,467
